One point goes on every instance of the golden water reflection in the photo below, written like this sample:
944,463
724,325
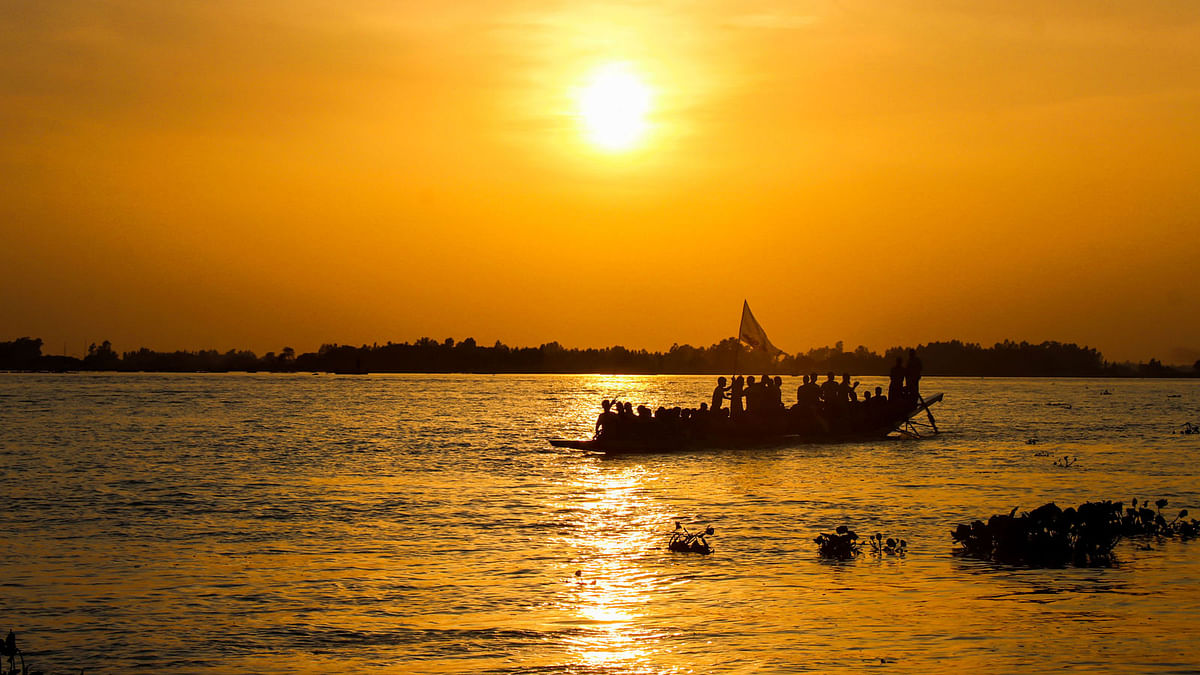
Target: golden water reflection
617,530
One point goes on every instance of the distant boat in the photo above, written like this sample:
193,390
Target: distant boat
907,423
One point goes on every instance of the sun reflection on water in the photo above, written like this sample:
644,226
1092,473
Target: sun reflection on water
616,527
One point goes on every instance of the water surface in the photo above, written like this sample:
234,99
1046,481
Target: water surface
390,523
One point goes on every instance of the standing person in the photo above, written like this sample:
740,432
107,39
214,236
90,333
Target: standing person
849,395
777,393
719,394
809,395
912,374
831,393
751,395
736,392
800,390
896,386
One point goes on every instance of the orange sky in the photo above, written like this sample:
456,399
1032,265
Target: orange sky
226,174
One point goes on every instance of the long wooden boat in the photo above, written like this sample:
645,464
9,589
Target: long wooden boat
914,422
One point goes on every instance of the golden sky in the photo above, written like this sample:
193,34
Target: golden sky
217,174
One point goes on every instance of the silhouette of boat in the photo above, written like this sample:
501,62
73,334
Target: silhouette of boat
915,421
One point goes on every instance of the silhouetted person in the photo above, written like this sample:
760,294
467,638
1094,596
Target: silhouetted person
809,394
643,417
848,393
606,423
877,407
896,385
719,394
777,392
912,374
831,393
736,392
751,395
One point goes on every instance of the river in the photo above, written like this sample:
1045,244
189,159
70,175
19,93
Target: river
215,523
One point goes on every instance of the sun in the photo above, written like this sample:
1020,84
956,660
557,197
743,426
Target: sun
613,106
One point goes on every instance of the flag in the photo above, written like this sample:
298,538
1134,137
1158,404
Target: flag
752,334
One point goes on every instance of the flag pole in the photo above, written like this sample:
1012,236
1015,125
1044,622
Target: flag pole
737,343
737,347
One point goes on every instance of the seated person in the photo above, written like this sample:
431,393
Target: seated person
606,423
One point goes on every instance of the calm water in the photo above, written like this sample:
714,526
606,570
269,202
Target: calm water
280,523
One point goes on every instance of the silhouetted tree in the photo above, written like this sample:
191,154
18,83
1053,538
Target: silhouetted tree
20,354
426,355
101,357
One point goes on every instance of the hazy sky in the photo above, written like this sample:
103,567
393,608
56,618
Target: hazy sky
216,174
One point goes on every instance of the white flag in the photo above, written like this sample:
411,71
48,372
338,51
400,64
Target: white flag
752,334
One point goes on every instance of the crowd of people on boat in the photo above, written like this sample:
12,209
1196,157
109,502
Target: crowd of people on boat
756,408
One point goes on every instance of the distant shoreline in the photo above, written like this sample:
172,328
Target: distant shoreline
1179,376
426,356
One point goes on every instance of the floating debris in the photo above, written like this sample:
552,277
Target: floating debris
1189,429
1106,393
1031,441
1052,537
1059,404
1042,453
683,541
1066,461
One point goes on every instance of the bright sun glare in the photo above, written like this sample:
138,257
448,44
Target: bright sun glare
613,105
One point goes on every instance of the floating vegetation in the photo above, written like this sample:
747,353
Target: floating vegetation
683,541
1189,428
579,581
1066,461
1052,537
1059,404
9,649
842,544
889,546
1031,441
1145,521
1042,453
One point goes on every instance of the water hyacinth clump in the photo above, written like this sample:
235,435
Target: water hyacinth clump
1141,521
889,546
842,544
9,651
1047,536
683,541
1052,537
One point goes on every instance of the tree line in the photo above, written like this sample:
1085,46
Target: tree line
1018,359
